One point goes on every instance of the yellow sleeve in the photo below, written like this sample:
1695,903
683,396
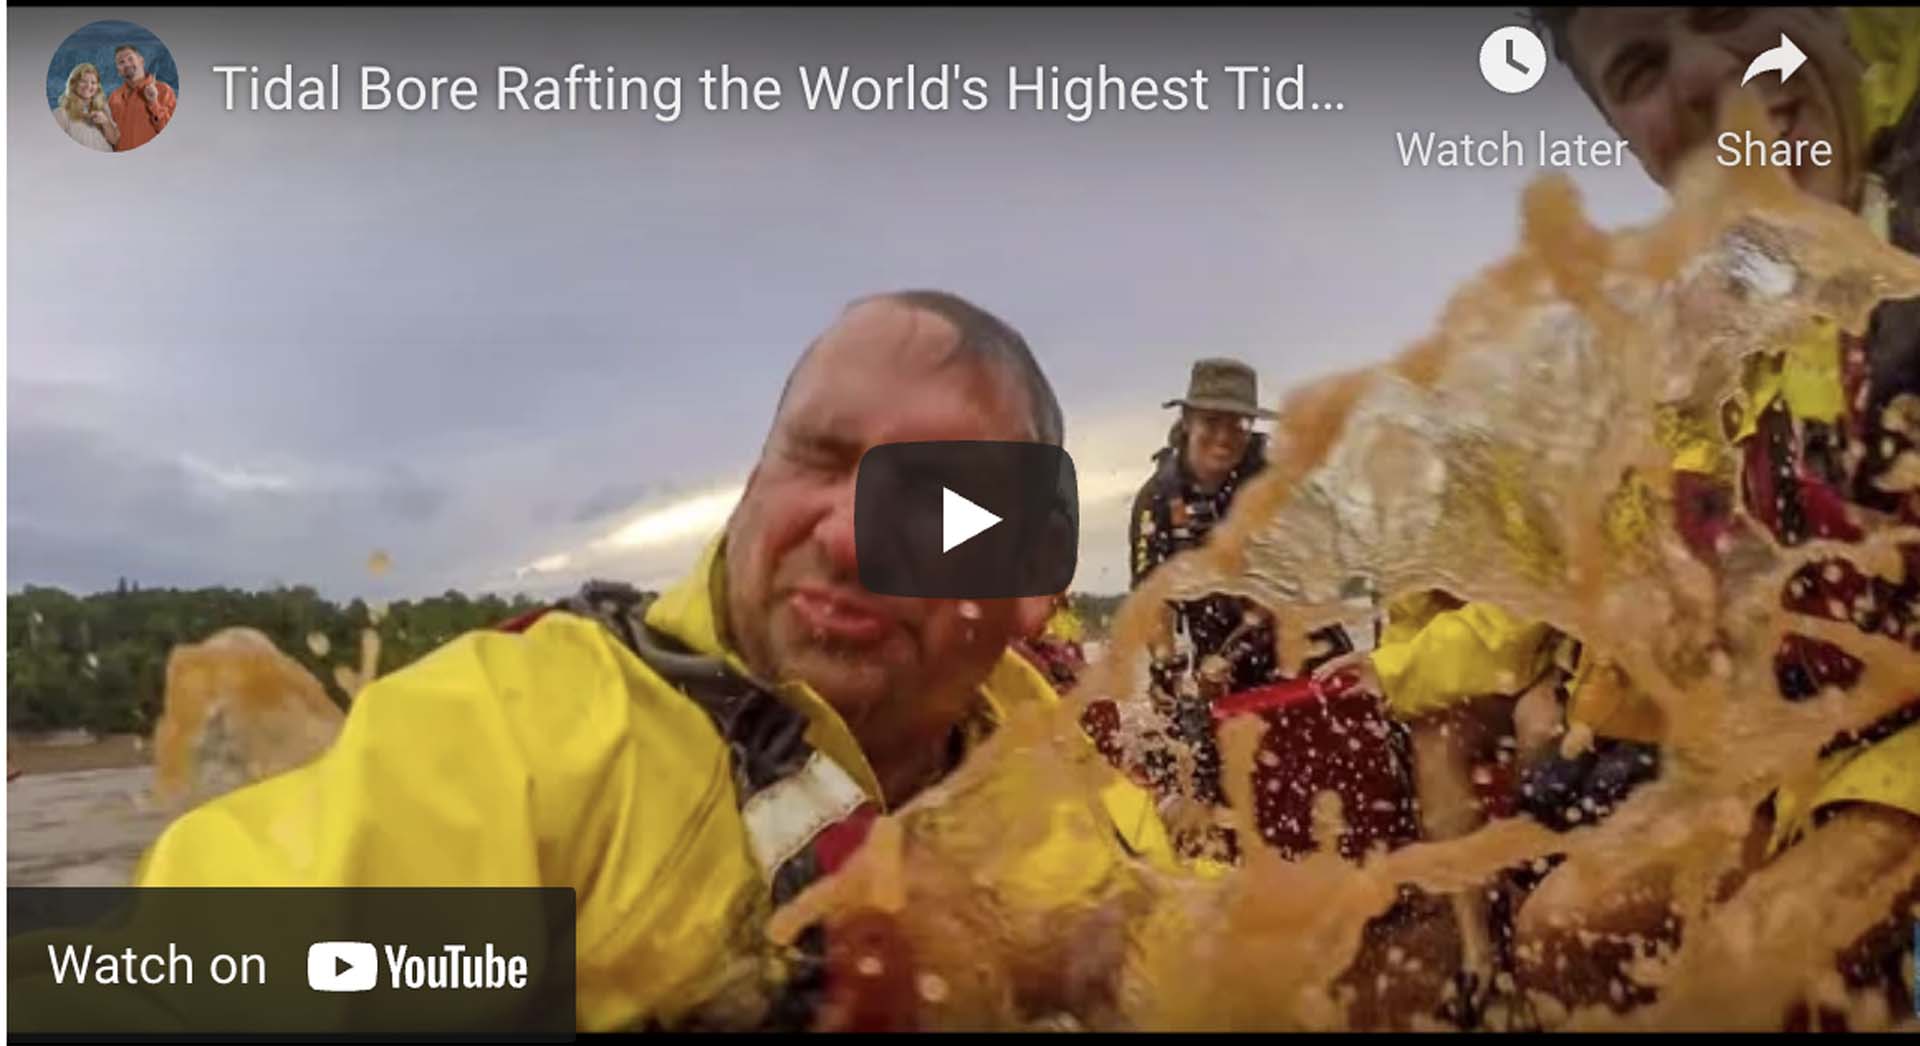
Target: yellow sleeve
1888,40
1065,625
1886,773
1806,375
549,758
1428,660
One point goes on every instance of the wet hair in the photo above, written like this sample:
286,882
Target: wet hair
1556,24
984,338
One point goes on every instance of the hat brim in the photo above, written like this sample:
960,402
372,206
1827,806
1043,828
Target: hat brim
1224,406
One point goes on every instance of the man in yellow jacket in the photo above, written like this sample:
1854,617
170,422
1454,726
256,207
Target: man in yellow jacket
687,764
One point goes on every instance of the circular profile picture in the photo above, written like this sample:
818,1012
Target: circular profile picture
112,86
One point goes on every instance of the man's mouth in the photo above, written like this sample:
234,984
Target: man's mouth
832,613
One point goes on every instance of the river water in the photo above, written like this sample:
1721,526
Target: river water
79,828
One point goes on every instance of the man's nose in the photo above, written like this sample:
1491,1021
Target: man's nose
1702,67
835,530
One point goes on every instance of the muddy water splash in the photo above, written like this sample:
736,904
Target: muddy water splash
237,710
1519,456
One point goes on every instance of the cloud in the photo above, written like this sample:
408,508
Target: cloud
87,507
551,564
408,496
84,511
677,521
507,369
655,532
615,497
238,480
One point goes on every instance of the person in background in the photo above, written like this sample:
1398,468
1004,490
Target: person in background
141,105
1222,646
83,112
1326,731
1211,450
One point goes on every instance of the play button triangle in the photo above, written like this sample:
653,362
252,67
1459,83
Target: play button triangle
961,519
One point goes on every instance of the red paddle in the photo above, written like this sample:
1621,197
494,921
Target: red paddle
1284,693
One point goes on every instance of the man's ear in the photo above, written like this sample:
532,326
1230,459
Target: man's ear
746,489
1030,615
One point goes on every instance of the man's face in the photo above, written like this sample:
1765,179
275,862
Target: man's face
1216,441
132,67
1660,71
882,374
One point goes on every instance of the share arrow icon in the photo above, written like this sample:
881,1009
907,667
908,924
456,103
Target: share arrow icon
1787,59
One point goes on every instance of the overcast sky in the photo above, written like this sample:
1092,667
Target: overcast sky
512,349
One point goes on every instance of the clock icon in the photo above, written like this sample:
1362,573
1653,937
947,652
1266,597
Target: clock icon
1512,59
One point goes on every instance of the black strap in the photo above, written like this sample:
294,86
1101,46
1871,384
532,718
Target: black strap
766,736
766,741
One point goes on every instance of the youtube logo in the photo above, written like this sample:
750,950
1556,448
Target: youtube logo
966,519
342,966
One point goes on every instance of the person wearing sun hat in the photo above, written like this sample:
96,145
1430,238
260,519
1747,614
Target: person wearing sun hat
1211,451
1223,645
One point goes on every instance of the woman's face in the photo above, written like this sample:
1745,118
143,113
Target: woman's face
1215,443
87,86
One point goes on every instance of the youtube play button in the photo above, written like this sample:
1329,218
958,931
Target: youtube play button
966,519
342,966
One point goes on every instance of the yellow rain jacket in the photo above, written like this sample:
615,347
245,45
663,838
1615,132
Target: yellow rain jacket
1065,625
556,757
1431,657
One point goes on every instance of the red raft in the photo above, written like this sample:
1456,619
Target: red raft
1322,735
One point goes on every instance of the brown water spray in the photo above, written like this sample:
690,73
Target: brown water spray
1512,457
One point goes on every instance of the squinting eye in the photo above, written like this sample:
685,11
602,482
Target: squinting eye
819,457
1640,77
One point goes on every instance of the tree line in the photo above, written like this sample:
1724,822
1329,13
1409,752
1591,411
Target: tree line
1096,611
99,662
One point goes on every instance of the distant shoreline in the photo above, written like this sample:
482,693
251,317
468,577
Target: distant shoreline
39,754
